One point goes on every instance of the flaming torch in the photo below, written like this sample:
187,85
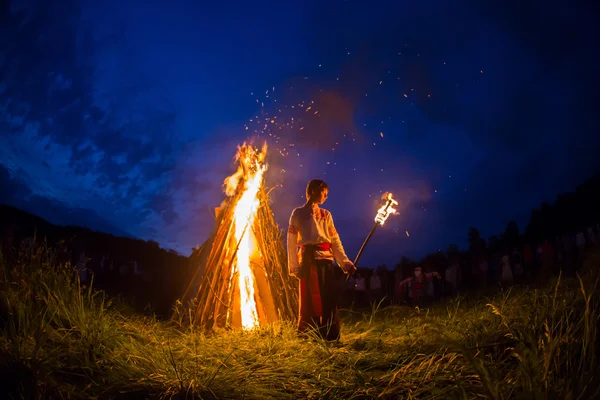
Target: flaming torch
383,213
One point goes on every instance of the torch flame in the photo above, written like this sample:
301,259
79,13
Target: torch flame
249,174
386,209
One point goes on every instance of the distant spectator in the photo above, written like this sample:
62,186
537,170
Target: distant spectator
482,273
349,293
360,289
537,263
507,273
375,292
82,269
517,264
495,268
417,285
547,258
452,279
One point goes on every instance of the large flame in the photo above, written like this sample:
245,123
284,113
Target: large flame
249,174
386,209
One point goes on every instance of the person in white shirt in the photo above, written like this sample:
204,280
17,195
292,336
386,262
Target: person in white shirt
507,273
312,245
360,290
375,292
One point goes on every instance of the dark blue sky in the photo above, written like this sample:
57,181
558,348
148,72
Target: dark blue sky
126,118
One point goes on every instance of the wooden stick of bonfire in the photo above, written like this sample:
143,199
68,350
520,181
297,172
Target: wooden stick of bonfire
216,293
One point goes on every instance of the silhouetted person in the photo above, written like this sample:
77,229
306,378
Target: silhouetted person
417,285
517,265
547,258
452,279
360,290
507,273
375,289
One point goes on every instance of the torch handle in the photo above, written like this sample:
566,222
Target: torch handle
365,243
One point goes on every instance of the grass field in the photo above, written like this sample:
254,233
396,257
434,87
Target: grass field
60,340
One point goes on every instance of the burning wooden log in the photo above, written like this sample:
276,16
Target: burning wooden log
243,264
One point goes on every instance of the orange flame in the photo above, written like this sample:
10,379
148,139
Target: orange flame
250,174
386,209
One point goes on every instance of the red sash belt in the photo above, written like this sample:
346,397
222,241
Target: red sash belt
319,246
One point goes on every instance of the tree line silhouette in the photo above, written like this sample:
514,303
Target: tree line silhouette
147,275
554,226
140,271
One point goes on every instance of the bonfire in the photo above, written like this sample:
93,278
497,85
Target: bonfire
241,277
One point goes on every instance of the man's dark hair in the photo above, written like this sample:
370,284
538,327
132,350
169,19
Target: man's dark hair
315,187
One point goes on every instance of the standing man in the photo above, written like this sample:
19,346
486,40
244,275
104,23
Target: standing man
312,245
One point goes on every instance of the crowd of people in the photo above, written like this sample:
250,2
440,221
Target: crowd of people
523,263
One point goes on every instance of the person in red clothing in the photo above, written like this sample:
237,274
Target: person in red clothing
313,244
416,286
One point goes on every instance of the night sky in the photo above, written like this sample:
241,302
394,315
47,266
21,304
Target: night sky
470,113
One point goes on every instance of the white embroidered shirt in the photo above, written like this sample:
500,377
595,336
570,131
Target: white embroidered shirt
308,226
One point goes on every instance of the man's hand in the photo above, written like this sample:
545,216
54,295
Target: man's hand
349,268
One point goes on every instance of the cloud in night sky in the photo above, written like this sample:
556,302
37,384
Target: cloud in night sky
127,120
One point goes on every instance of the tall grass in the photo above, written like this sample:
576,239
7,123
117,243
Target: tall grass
61,340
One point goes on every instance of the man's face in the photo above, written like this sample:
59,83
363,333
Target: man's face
321,197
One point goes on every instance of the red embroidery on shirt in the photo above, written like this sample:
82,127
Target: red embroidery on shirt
321,214
332,231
